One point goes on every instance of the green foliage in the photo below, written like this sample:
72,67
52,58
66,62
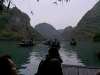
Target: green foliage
47,30
4,17
89,25
2,25
67,33
15,28
14,25
96,37
9,35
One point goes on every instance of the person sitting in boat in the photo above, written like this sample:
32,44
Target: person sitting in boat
48,41
7,66
51,64
73,40
55,40
30,40
23,41
58,42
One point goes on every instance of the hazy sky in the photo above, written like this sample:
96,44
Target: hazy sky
59,16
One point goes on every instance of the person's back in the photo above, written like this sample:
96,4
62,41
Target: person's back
51,65
54,66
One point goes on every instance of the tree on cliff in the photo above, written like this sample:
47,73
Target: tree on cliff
96,37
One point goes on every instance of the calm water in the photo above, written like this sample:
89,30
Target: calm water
28,58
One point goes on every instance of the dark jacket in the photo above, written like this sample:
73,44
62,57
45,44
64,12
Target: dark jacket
51,65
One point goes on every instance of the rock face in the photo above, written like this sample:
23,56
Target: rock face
87,27
67,32
89,24
60,31
47,30
15,25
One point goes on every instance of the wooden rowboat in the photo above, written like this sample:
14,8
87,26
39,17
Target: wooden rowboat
73,43
27,44
52,45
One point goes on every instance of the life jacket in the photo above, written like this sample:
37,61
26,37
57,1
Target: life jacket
47,68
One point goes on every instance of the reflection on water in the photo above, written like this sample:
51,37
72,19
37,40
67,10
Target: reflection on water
28,58
69,54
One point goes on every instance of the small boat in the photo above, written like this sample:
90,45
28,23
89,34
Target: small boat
73,42
52,44
55,45
46,43
27,44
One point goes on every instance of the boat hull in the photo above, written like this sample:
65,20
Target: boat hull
72,43
52,45
27,44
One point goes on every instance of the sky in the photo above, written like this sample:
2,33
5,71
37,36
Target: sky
60,15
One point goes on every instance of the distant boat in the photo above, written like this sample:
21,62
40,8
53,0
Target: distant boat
52,44
73,42
55,45
46,43
27,44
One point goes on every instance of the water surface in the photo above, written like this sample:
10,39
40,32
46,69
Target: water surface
28,58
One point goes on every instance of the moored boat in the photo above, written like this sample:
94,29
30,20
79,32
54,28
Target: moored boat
73,42
46,43
27,44
52,44
55,45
